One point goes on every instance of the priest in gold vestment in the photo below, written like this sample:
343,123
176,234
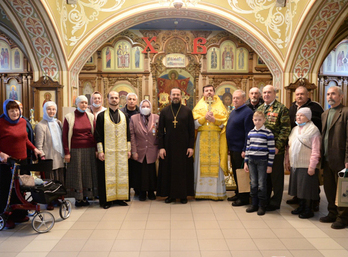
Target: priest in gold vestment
210,162
113,142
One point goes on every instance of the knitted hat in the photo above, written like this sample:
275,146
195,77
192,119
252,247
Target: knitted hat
306,112
81,98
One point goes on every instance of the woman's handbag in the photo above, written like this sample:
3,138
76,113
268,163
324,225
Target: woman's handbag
342,189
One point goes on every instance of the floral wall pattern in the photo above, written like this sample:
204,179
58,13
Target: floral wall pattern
33,24
313,38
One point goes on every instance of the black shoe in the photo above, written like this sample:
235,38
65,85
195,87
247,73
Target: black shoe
327,219
232,199
142,196
151,195
261,211
306,215
252,208
106,205
315,205
169,200
294,200
239,203
338,225
297,211
183,200
121,203
80,203
272,208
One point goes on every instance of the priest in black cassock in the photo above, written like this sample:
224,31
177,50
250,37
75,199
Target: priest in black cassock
113,142
176,135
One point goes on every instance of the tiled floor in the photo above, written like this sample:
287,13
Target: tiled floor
199,228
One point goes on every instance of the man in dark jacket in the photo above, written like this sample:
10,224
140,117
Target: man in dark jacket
255,99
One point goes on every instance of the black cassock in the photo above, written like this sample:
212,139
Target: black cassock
175,174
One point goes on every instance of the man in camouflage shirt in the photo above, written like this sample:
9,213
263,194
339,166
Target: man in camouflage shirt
278,121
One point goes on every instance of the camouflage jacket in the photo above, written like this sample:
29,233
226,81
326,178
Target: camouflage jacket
278,121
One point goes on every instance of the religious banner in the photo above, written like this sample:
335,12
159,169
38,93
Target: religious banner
164,86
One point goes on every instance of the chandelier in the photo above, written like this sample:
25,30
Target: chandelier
179,3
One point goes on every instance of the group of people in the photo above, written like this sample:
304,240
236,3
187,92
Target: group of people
108,151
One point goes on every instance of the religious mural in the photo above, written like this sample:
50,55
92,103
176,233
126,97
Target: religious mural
10,59
122,57
227,58
336,63
225,92
173,79
14,90
87,90
45,96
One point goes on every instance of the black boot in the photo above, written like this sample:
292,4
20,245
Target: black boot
300,208
142,195
307,212
262,208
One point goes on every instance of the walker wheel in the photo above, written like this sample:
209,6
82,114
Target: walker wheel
42,222
3,220
65,209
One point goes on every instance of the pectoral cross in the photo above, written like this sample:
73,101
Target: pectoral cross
210,102
174,122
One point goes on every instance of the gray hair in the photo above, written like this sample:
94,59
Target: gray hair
130,94
240,91
339,89
258,89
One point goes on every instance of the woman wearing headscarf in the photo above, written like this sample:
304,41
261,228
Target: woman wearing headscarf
143,129
48,139
80,153
13,143
302,159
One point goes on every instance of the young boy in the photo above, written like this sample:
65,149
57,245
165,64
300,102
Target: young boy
259,156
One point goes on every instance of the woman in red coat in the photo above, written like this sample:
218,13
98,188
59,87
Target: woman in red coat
13,143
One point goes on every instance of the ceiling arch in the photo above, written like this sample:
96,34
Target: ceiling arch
216,17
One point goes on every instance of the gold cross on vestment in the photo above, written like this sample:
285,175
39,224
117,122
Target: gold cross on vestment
174,122
209,102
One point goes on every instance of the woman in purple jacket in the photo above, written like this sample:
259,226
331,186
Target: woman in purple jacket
143,129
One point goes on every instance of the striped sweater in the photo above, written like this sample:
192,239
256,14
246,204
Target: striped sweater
260,145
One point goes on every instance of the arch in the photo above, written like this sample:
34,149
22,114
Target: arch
33,23
212,15
322,26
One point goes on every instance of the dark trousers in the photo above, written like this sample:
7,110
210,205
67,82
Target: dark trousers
330,188
237,162
258,181
275,181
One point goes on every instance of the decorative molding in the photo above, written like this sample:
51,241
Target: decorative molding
74,24
268,14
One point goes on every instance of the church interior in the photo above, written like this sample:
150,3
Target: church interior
56,50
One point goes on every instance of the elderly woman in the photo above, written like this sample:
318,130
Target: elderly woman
303,156
96,104
143,127
48,139
80,153
13,143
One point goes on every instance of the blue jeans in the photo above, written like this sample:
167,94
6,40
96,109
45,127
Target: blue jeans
258,181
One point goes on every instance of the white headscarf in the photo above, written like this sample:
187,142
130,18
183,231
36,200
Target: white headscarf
56,132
